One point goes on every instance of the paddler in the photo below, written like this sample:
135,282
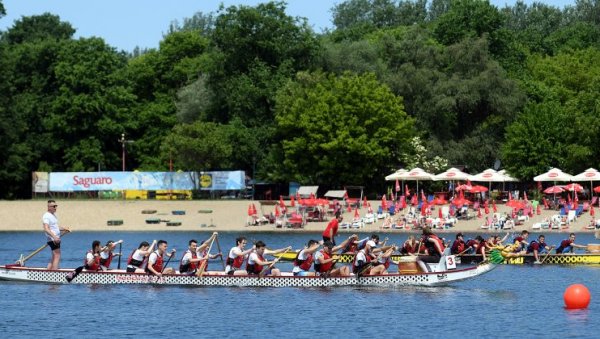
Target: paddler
196,255
236,257
363,264
325,262
568,245
434,248
135,262
521,241
92,257
106,254
458,246
410,246
156,260
538,247
305,258
256,262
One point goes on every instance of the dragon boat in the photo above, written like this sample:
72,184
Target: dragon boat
471,259
442,273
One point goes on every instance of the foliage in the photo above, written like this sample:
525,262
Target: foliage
340,130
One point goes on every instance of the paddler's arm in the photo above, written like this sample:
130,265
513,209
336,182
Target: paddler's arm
281,250
505,237
344,243
578,246
149,250
206,243
314,247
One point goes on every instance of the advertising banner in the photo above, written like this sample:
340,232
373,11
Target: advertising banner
106,181
223,180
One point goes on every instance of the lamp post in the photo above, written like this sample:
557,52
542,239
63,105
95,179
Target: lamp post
123,142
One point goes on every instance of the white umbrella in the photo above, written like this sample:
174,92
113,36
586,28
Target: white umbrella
396,175
489,176
417,174
590,174
452,174
507,177
554,175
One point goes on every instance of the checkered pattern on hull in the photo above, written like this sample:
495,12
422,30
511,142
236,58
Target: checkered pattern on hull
392,280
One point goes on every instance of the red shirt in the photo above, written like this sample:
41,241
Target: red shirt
332,226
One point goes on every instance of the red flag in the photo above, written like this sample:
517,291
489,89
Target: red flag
369,208
250,212
345,194
365,202
356,214
423,198
486,209
277,213
494,206
407,192
397,186
592,211
423,208
414,200
539,210
403,202
383,203
479,213
525,196
281,203
440,215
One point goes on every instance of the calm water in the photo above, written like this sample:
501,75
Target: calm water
510,301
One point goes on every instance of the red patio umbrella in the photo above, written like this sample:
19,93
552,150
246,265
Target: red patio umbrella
573,187
277,213
478,189
554,190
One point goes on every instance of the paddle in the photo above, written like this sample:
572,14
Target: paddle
22,260
463,252
200,271
167,264
333,262
265,269
72,275
120,255
547,254
219,248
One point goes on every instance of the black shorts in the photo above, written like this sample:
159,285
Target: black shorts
329,239
131,269
53,245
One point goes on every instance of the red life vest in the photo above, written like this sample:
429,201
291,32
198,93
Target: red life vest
408,248
190,266
106,262
158,265
304,264
237,262
254,268
323,268
458,246
431,248
95,266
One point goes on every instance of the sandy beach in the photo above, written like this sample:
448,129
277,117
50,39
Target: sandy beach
225,215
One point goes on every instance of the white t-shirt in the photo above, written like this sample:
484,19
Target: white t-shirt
372,244
252,258
52,221
301,256
234,252
152,259
104,255
186,257
89,256
360,256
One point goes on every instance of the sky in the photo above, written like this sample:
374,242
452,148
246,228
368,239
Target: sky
125,24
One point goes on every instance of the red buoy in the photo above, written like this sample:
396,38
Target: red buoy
577,296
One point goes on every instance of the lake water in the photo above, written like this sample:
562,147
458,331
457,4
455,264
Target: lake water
511,301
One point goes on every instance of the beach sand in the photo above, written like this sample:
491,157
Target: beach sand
225,215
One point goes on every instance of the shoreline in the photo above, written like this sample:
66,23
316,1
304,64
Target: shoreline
225,215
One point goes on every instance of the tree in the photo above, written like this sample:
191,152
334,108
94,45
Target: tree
340,130
38,28
467,19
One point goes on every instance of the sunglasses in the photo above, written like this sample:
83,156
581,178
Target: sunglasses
53,205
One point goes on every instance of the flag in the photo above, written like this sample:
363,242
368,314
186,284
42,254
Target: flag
592,211
539,210
525,196
292,202
403,202
365,202
356,214
440,215
486,209
277,213
281,203
479,213
407,192
397,186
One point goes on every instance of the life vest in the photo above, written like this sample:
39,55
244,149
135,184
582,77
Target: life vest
408,248
304,264
531,247
323,267
431,249
357,268
106,262
350,247
458,247
95,266
158,265
254,268
236,262
190,266
563,245
134,262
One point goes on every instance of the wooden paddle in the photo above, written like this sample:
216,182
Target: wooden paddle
22,260
463,252
202,267
120,255
219,248
547,254
265,269
171,256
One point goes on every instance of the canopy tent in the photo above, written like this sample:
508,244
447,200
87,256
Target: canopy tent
396,175
306,191
339,194
507,177
553,174
489,176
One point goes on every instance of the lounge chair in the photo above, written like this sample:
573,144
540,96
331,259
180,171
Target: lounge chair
571,217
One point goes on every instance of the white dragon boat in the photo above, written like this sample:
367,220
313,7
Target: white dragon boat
443,273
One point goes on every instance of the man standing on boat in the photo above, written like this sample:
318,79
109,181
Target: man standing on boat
155,261
52,230
568,245
332,227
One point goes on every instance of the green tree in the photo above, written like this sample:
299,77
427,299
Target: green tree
467,19
38,28
340,130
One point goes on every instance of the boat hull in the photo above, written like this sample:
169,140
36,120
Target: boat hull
41,275
552,259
